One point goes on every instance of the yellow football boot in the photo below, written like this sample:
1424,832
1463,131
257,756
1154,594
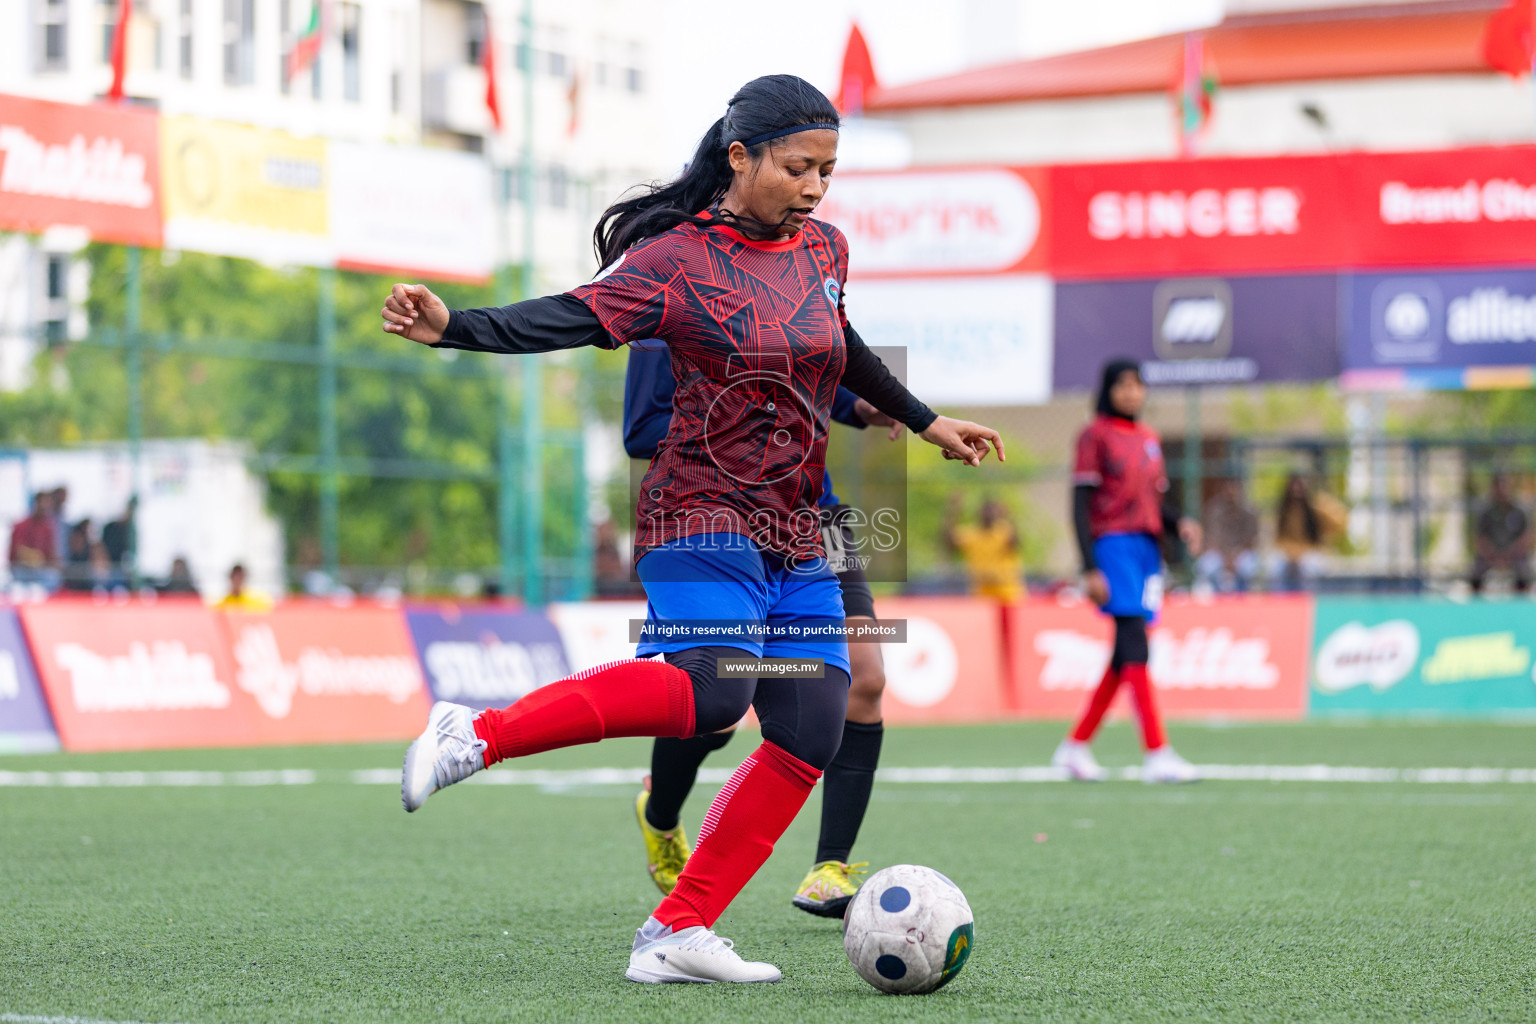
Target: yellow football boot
665,852
828,888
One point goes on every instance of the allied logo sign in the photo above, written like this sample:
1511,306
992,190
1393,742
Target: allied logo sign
1407,319
1192,319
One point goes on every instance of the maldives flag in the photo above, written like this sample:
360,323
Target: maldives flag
488,61
120,49
1509,43
1194,89
306,48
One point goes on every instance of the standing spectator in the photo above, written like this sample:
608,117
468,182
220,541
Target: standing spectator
240,599
1304,523
1231,535
59,497
77,557
119,538
1503,539
33,555
990,550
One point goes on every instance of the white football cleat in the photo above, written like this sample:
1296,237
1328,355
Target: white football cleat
1077,760
695,954
446,752
1165,765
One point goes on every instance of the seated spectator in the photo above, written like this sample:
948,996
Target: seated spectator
1502,540
32,556
989,549
1304,524
1231,535
118,536
77,558
239,599
180,579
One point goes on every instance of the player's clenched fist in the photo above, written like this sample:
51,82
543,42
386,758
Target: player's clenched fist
413,312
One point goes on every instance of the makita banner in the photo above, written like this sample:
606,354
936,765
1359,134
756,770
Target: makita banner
486,657
1199,330
1276,214
139,675
324,674
94,167
25,725
1441,329
1240,657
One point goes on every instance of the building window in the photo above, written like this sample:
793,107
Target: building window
239,41
474,34
351,63
559,186
284,43
184,39
57,277
53,34
108,10
556,64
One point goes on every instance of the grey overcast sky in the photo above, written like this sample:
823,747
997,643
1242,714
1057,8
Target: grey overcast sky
716,45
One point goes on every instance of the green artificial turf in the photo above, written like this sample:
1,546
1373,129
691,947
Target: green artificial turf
1222,901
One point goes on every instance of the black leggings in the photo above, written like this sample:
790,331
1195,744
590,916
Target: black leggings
803,717
1130,641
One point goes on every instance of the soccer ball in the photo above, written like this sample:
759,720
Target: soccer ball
908,930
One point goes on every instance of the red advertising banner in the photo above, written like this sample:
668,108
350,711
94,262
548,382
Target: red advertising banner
1247,215
322,674
96,167
951,667
1242,657
138,676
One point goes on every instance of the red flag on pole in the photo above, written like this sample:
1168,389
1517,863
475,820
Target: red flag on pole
120,49
488,61
1509,42
573,97
857,82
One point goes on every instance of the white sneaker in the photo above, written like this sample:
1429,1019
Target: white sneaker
446,752
1077,760
1165,765
695,954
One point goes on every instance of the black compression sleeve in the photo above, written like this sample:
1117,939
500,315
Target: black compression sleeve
537,325
1170,517
866,376
1082,495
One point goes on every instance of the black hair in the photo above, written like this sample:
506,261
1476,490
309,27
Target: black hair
762,107
1112,371
1312,529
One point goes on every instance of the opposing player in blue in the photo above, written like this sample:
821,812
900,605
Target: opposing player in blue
846,785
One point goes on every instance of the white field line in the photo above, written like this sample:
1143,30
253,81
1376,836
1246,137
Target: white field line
23,1018
568,778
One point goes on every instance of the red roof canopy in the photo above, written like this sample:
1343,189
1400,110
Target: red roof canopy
1436,38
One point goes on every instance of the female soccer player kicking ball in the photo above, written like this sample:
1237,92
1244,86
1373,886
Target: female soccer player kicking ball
727,267
832,882
1120,511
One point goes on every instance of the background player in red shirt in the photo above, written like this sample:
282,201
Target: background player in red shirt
727,267
1121,511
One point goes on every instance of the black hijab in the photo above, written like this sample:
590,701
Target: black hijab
1112,371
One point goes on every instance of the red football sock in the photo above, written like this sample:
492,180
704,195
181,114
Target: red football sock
1146,709
1103,697
752,811
622,698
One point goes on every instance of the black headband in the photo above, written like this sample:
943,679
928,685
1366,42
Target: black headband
766,136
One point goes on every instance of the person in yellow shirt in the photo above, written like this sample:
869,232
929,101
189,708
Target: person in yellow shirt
989,549
239,599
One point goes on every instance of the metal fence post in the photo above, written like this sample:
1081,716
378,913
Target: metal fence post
330,478
533,371
1192,452
133,302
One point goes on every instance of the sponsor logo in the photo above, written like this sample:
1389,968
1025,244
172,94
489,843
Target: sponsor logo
317,672
1192,320
10,677
1201,659
162,676
1207,213
1358,655
1406,318
1463,659
98,171
922,671
830,287
494,670
1491,315
1498,200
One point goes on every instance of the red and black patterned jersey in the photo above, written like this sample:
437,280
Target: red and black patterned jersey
1123,461
756,335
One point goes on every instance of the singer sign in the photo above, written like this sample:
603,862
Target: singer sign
941,222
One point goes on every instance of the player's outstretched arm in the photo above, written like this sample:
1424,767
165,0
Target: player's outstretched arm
963,440
415,313
535,325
